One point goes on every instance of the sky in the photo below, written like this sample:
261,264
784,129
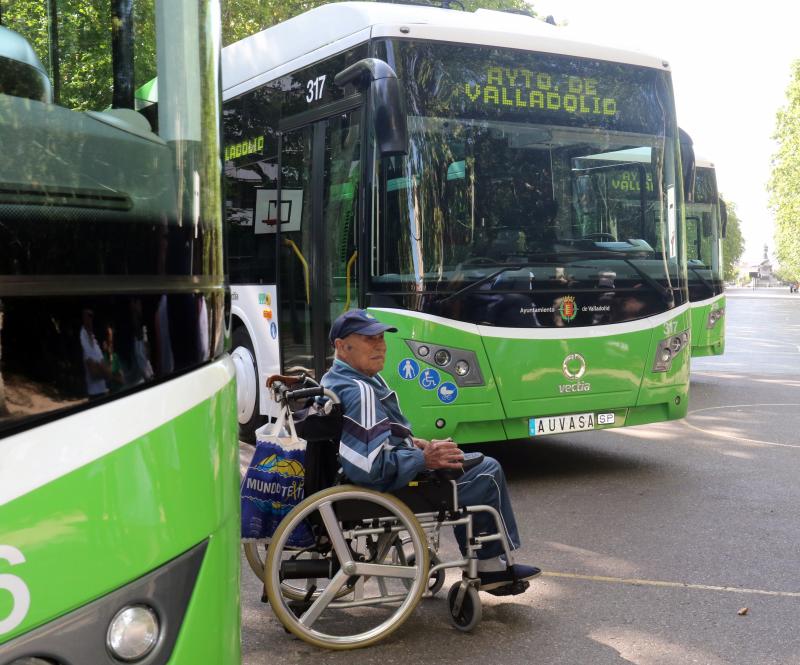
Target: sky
731,66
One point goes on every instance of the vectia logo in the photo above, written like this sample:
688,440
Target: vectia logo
580,387
573,368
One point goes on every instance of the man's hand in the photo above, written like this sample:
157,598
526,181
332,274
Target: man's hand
442,454
419,443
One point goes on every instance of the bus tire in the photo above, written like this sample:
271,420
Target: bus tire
248,388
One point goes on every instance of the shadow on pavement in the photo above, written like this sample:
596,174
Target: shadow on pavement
558,458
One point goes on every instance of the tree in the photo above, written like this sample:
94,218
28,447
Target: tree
84,46
784,185
732,244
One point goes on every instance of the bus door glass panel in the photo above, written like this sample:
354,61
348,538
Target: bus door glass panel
295,219
342,169
694,240
251,180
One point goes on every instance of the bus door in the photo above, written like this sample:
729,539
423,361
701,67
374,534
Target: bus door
317,204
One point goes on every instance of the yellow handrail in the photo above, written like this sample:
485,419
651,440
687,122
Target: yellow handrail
350,263
300,256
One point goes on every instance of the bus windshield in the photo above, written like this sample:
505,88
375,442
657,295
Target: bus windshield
704,237
529,172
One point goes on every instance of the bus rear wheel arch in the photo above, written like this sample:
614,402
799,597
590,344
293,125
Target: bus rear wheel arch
248,389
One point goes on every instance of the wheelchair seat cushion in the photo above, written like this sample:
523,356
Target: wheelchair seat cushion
427,494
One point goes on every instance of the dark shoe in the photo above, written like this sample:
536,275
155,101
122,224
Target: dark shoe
496,580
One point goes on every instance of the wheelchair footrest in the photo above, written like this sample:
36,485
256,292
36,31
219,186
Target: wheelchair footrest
512,589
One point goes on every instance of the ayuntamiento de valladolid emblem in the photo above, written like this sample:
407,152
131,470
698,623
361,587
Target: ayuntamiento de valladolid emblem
568,308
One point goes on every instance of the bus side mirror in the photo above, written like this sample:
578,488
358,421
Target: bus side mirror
723,215
687,165
391,130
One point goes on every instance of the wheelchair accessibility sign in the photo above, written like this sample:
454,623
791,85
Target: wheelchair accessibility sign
447,392
429,379
408,369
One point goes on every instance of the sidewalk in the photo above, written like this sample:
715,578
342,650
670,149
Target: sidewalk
747,292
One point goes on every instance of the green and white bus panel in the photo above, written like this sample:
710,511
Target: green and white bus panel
510,198
119,524
706,218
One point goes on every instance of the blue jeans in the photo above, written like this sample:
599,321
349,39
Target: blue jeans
485,484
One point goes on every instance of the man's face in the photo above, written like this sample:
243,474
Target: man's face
365,353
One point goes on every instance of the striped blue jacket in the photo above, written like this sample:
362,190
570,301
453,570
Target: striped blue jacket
375,450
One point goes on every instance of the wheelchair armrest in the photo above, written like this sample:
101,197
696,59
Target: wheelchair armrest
471,460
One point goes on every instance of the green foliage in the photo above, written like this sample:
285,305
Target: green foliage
784,186
732,244
84,46
241,18
85,33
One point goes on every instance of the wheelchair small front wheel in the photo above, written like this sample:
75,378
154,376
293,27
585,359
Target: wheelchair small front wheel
466,617
435,580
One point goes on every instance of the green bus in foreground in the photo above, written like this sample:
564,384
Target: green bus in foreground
119,511
706,219
510,198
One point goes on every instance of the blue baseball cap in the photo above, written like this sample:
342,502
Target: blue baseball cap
357,321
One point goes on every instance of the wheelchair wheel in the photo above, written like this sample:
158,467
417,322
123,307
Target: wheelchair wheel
256,554
469,614
365,596
253,552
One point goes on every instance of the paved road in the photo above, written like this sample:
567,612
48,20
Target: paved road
653,538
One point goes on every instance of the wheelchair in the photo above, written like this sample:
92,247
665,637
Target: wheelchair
374,555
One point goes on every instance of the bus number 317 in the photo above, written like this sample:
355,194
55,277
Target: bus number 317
20,596
315,87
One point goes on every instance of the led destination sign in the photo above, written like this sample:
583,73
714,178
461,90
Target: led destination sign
522,88
244,148
479,82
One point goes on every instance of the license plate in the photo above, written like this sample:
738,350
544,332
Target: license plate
572,422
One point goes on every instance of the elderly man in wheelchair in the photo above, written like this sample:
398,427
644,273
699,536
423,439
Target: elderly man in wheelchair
377,522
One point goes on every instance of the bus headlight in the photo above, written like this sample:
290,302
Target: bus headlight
441,357
668,349
133,633
714,316
461,364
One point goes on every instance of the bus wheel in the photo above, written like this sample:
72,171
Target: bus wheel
248,390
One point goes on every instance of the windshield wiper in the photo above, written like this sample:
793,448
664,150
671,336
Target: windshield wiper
474,285
663,291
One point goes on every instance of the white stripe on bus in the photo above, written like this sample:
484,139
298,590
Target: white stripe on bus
602,330
35,457
707,301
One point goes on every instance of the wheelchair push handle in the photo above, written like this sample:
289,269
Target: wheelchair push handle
316,391
285,389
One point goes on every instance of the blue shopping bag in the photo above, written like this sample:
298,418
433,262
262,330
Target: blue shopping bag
274,483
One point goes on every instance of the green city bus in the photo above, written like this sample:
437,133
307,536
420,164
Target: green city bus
706,219
119,511
507,196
